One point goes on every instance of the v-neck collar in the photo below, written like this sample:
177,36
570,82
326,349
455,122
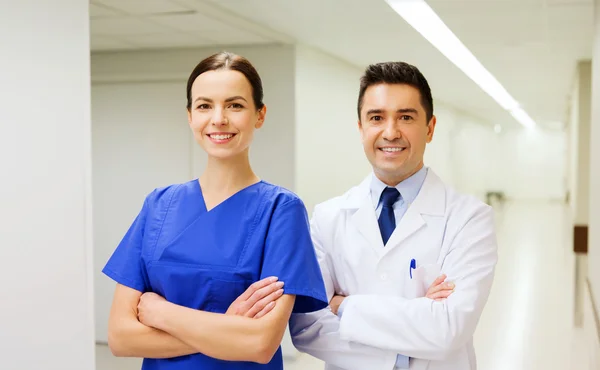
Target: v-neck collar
199,187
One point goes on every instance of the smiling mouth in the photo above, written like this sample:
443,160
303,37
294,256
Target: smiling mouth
221,136
392,150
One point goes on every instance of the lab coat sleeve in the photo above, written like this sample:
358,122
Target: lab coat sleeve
421,327
317,333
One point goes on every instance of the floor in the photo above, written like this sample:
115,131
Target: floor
528,321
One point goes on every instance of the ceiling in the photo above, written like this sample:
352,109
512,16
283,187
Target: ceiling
143,24
530,46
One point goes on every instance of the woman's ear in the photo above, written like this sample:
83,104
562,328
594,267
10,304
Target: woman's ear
262,113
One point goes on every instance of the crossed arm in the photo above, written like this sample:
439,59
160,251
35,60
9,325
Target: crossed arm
422,328
146,325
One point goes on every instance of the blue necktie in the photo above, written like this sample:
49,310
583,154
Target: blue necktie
387,220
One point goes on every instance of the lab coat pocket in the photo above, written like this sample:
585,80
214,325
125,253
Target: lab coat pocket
422,278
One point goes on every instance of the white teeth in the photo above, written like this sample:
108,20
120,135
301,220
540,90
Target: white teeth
392,149
221,137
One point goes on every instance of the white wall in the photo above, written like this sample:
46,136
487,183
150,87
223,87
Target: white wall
524,164
469,155
141,141
330,158
45,196
440,153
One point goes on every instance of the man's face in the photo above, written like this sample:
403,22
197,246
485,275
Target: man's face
394,130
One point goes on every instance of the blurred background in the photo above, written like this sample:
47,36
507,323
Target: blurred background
93,118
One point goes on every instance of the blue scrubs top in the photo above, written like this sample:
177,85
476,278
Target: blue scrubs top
205,259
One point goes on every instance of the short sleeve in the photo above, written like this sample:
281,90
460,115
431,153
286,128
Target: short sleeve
290,255
126,266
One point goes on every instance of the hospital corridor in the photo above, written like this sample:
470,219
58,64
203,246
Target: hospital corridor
386,184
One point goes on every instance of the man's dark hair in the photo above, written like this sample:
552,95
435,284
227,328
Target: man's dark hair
396,73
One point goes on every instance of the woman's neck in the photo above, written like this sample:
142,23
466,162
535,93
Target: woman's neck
227,175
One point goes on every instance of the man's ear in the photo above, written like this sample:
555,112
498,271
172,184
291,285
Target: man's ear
360,130
431,128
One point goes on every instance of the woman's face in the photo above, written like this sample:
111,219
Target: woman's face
223,115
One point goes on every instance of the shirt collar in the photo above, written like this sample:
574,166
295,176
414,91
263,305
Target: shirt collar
409,188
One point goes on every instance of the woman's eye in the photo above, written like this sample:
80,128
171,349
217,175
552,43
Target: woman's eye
236,106
203,106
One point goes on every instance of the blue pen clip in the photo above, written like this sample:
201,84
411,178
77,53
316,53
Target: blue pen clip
413,265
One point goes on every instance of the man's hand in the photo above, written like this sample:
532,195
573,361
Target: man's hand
258,300
439,290
335,303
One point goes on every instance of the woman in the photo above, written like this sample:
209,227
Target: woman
196,247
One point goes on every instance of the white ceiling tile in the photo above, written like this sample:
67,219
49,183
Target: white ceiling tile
230,35
188,22
144,7
489,22
205,27
100,11
167,40
125,26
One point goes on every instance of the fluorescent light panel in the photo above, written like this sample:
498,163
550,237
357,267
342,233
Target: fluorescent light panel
423,19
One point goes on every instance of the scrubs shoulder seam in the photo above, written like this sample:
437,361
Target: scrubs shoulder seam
155,242
295,199
251,229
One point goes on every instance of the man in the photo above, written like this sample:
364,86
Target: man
384,241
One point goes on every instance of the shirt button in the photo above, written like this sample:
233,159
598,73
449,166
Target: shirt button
383,276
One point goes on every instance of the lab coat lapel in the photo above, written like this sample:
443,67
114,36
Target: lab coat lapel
364,218
431,200
365,221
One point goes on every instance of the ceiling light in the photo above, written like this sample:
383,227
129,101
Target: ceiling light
425,21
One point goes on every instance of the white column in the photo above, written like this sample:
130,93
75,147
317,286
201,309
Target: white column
46,314
579,181
594,204
593,300
583,108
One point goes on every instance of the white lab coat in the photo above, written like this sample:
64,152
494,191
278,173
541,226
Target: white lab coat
387,312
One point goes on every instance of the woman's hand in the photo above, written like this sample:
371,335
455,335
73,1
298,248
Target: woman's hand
258,300
335,303
150,309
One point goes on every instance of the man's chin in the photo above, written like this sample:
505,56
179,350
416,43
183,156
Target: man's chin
389,174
